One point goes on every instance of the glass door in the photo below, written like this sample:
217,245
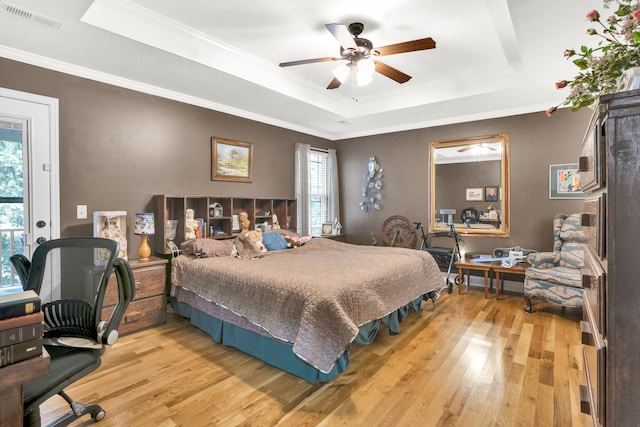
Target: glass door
29,189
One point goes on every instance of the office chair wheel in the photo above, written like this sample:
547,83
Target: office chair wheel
98,415
397,231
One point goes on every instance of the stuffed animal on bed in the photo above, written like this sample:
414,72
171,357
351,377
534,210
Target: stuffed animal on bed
255,237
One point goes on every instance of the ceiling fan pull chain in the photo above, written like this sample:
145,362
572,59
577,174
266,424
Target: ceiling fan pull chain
355,89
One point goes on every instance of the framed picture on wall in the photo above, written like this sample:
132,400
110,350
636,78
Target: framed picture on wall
231,160
473,194
564,182
491,194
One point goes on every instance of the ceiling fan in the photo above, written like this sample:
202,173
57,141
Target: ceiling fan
362,56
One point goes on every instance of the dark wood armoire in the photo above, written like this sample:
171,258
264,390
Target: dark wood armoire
610,174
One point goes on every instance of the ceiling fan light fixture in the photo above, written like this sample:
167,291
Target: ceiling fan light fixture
341,72
364,78
366,66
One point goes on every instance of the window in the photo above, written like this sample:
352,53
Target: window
318,191
316,188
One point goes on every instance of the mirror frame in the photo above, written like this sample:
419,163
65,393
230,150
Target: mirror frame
505,183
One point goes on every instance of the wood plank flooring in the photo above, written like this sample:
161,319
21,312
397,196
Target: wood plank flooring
467,361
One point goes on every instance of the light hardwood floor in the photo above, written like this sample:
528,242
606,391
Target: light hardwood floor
467,361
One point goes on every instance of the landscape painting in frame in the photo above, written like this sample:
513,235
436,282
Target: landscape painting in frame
231,160
564,182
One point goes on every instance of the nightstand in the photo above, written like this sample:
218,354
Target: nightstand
149,305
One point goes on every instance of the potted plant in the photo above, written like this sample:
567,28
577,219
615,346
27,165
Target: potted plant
601,67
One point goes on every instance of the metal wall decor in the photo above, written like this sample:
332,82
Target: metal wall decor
372,187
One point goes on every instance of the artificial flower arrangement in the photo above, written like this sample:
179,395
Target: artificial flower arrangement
601,67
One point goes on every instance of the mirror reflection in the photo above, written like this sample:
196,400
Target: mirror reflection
470,186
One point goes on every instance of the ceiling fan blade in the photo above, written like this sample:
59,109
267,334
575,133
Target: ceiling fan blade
410,46
307,61
334,84
392,73
342,34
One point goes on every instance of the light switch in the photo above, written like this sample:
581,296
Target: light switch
82,212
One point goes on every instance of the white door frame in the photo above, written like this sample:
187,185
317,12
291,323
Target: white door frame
43,180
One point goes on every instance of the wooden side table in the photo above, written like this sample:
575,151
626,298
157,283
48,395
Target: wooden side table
518,269
149,305
478,266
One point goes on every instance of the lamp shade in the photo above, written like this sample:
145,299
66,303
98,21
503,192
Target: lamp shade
144,224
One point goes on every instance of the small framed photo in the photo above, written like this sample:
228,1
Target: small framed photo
473,194
327,229
564,182
231,160
491,194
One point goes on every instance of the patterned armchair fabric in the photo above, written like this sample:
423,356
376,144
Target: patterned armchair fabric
557,276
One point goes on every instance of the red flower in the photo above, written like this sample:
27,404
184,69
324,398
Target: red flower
550,111
593,16
636,15
561,84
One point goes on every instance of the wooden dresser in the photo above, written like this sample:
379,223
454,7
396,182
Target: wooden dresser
610,172
149,306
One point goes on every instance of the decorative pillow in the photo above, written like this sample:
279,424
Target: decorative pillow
274,241
244,248
255,237
207,248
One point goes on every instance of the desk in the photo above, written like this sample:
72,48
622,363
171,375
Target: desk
478,266
493,221
13,376
518,269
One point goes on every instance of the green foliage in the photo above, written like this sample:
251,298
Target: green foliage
11,207
617,50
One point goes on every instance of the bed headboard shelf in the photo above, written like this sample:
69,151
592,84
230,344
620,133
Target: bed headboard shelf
217,214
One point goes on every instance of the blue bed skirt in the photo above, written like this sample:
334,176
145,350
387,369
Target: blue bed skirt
280,354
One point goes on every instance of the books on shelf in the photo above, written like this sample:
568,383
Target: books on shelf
19,304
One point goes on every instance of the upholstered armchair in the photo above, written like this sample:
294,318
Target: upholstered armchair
557,276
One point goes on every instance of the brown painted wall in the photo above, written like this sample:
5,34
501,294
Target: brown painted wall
120,147
457,177
537,141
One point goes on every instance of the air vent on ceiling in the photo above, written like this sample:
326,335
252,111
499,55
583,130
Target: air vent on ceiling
31,16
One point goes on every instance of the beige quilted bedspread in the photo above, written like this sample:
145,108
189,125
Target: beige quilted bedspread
314,296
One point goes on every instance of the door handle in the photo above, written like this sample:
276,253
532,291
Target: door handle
41,240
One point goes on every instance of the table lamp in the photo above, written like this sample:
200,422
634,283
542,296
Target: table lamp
144,227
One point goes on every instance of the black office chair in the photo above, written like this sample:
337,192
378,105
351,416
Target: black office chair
71,277
470,216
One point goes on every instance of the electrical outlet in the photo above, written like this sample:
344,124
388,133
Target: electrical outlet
81,212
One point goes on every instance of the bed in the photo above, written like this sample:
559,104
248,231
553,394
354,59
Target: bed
301,308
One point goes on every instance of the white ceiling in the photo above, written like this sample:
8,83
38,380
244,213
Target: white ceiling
493,57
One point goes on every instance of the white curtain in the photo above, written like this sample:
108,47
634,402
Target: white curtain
302,187
334,191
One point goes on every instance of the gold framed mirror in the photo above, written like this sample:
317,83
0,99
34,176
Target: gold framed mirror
470,186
